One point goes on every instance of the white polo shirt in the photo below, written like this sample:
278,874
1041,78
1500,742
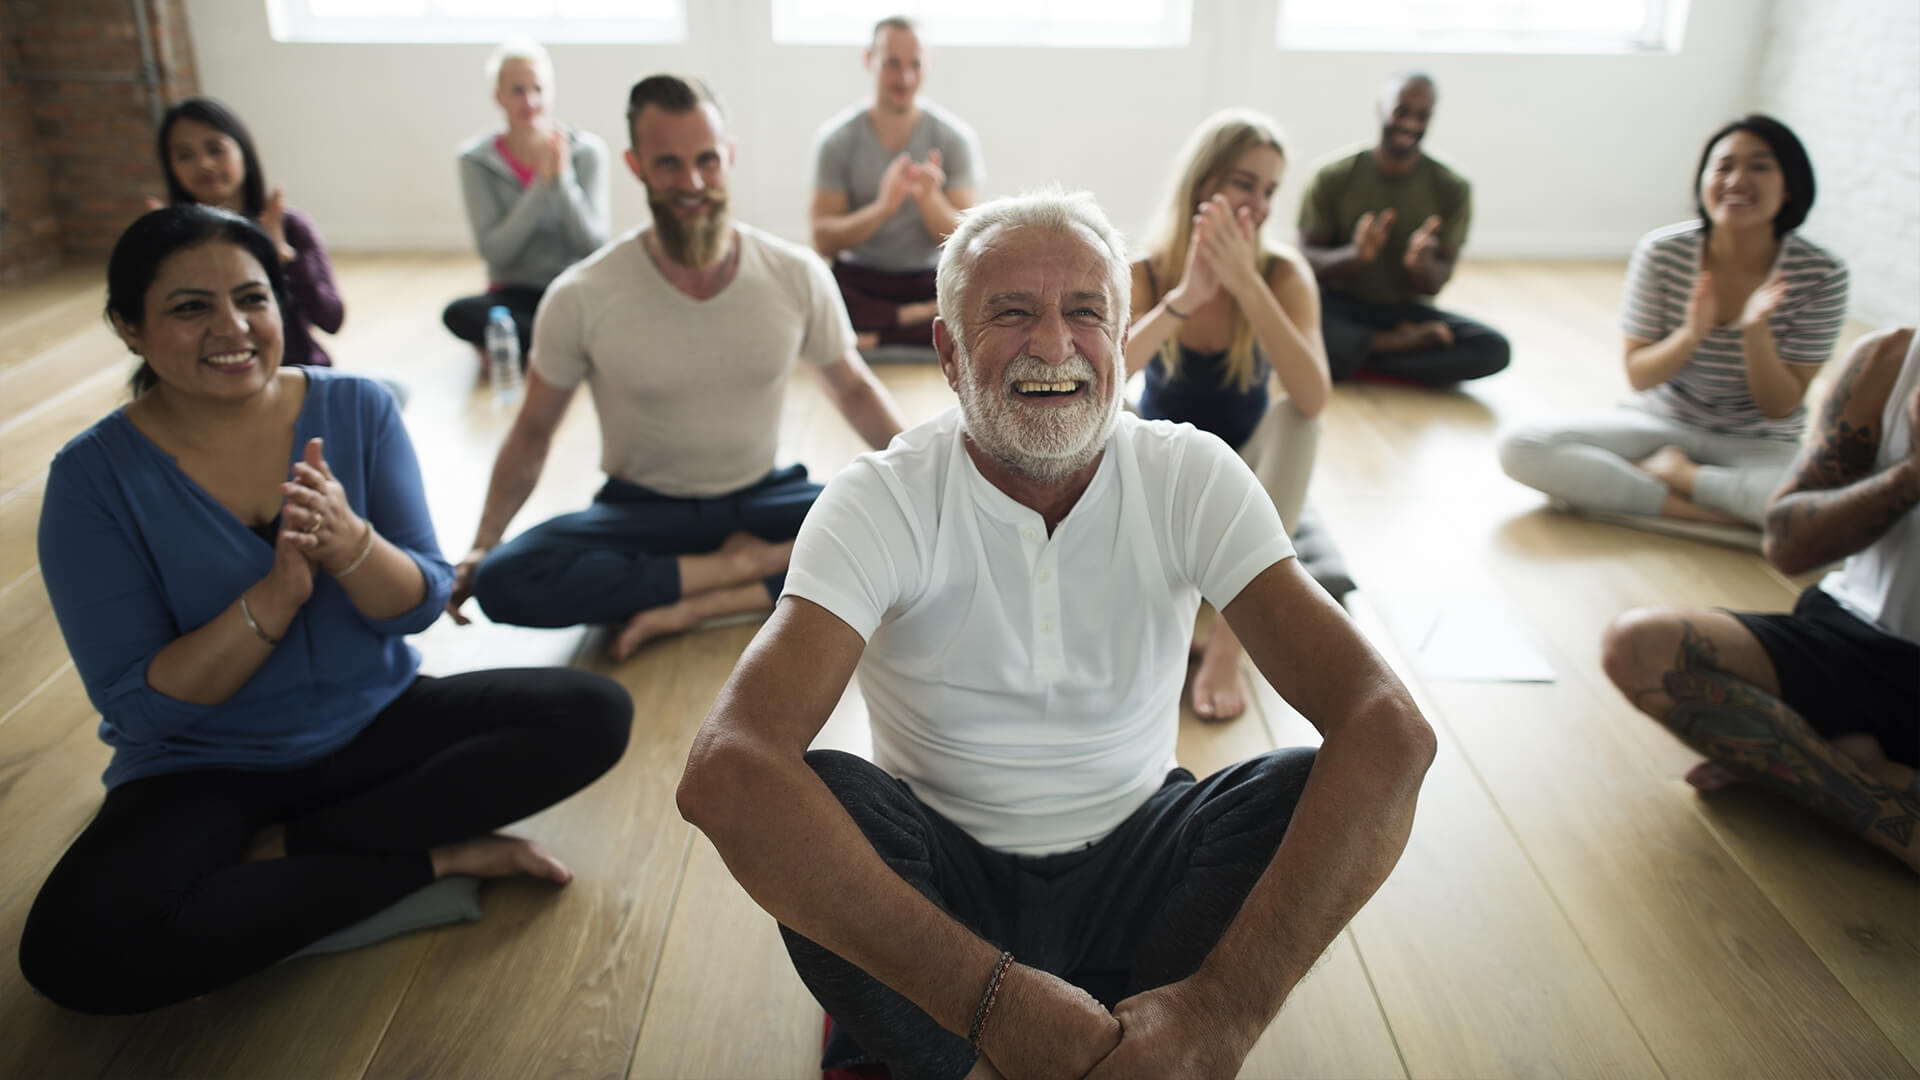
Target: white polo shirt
1026,686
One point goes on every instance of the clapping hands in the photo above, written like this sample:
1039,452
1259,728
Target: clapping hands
1763,300
1370,235
906,179
1420,243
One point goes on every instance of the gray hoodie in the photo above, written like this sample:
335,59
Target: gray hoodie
529,234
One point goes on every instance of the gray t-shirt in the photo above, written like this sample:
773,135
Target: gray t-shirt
689,392
848,157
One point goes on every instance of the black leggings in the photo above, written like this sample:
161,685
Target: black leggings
467,316
155,903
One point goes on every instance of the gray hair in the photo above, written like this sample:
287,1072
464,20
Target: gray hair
519,48
1048,208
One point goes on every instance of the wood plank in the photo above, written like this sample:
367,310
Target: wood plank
19,535
1534,1005
724,961
31,648
558,979
1693,950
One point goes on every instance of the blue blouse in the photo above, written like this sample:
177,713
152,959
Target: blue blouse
136,554
1200,394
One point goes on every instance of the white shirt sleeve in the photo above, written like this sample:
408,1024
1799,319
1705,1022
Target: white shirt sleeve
856,553
559,351
1224,528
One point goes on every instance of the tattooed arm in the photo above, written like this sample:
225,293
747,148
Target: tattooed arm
1834,504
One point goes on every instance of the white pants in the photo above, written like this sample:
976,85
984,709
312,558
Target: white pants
1589,463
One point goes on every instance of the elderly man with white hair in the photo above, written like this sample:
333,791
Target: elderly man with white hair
1023,882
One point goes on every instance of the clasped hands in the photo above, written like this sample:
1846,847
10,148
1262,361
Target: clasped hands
906,179
318,529
1046,1028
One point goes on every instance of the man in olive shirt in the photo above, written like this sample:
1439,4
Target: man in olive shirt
1383,229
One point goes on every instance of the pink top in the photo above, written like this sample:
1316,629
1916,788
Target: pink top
521,171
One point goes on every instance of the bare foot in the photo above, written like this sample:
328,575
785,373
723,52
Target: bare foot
866,340
924,311
1216,686
1708,778
1671,466
755,557
646,625
1409,336
498,856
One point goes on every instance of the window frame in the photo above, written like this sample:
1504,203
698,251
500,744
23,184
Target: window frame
1662,30
294,21
956,29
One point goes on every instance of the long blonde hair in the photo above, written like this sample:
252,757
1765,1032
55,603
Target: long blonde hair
1204,162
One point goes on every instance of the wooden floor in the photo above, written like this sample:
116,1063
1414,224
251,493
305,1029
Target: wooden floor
1566,905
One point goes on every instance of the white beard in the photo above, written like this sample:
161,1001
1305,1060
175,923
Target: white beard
1045,444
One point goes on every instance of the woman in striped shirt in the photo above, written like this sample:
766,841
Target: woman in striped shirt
1727,319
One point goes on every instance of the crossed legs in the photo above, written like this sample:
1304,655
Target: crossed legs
1705,677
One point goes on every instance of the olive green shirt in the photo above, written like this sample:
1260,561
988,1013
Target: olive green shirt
1352,185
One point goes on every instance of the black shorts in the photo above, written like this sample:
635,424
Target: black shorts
1845,675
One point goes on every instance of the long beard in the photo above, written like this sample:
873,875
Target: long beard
691,243
1043,444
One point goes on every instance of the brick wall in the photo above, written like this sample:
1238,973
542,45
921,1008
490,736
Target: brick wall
1845,75
77,122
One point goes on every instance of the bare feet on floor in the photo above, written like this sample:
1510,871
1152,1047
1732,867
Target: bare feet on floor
1708,777
1671,466
497,856
647,625
1216,686
866,340
1408,336
754,557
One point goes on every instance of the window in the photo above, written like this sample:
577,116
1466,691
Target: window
477,20
1536,26
1121,24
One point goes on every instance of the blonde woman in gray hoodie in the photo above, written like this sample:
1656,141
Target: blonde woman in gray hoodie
536,195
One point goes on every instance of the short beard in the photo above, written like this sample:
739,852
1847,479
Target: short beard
697,243
1045,446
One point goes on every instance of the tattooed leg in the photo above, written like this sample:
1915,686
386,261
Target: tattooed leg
1756,736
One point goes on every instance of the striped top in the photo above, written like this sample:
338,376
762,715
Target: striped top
1709,391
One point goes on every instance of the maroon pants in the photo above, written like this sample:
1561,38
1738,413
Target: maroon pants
874,297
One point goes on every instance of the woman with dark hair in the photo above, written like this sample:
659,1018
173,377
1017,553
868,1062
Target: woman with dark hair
1727,320
208,158
536,195
1227,328
235,559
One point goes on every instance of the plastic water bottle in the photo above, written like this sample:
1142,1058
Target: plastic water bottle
503,357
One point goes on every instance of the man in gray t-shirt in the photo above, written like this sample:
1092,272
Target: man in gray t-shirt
890,180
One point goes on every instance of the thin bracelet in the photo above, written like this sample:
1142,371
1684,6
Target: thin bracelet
1167,306
365,550
979,1030
259,633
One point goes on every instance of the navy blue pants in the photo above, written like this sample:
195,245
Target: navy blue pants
1349,325
621,555
1140,908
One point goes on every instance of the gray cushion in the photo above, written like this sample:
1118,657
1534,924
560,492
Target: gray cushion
449,900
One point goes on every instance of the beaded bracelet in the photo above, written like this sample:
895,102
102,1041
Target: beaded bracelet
365,550
247,612
979,1029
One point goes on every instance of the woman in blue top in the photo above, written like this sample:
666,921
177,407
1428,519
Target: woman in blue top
1220,318
235,559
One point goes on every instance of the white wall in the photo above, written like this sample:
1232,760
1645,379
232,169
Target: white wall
1845,75
1569,155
